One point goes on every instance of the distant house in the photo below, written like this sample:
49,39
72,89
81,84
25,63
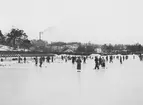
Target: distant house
73,47
98,50
56,48
69,48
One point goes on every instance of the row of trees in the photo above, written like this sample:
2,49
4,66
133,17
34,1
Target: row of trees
17,38
86,47
122,48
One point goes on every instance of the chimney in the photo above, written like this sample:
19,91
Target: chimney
40,35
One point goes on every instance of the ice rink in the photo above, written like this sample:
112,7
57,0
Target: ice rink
59,83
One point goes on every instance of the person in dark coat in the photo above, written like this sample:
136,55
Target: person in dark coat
19,59
24,59
123,58
73,60
48,59
40,61
120,59
84,59
103,62
66,59
111,59
100,61
126,57
107,58
78,63
36,60
62,57
52,59
43,58
117,57
96,63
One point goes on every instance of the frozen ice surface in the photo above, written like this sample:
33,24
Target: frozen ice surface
59,83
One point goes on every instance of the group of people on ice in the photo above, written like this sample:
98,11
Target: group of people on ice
42,60
100,61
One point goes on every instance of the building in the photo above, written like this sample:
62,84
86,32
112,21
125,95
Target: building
98,50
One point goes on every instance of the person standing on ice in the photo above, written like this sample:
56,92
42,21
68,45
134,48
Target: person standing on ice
62,57
24,59
19,59
100,60
84,59
96,63
52,59
40,61
140,57
107,58
111,59
126,57
43,58
73,59
66,59
103,62
123,58
117,57
78,63
120,59
36,60
48,59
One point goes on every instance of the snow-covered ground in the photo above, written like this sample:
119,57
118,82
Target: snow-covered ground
59,83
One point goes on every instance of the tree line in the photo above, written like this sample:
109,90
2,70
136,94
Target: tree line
17,38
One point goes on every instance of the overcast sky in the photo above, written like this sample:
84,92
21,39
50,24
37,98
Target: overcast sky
98,21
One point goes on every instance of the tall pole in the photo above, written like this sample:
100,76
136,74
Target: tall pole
41,33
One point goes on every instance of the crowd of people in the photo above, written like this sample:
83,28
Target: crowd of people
99,61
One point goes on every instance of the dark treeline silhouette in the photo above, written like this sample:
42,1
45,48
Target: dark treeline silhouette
17,38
